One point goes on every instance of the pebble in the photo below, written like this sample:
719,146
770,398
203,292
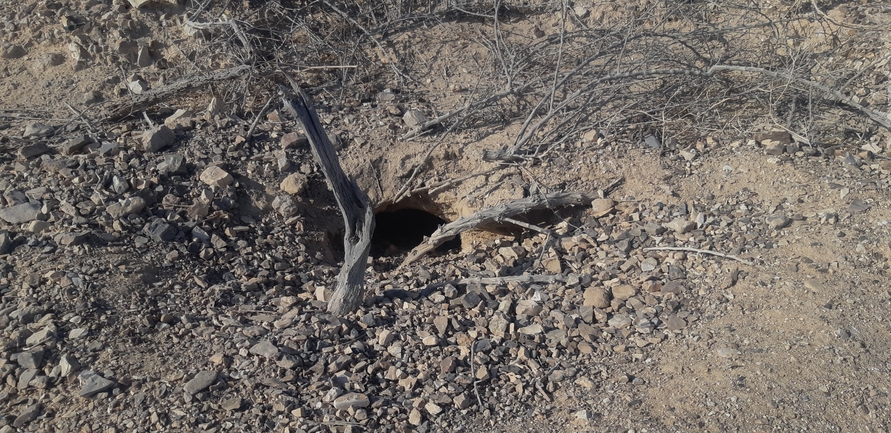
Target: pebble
776,222
128,206
157,138
265,349
596,297
602,206
680,225
92,383
216,176
200,382
352,400
294,183
33,150
160,231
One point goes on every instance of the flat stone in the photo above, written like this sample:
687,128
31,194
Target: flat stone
433,408
75,145
157,138
265,349
34,150
13,52
596,297
532,329
130,205
619,321
92,383
294,183
173,164
180,120
216,176
442,324
776,222
680,225
781,137
675,323
498,324
29,414
231,403
414,118
602,206
528,307
293,140
353,400
71,239
623,292
160,231
415,418
45,335
201,381
38,130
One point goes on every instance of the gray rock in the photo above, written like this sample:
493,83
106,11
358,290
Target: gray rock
5,243
45,335
286,206
619,321
623,291
71,239
13,52
160,231
498,325
29,414
20,213
38,130
414,118
200,382
157,138
119,184
138,86
352,400
68,364
143,57
92,383
528,307
34,150
126,207
31,359
173,164
75,145
776,222
265,349
680,225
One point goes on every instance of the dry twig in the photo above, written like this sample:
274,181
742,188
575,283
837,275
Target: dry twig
697,250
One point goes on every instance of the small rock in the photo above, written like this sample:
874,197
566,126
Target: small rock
353,400
21,213
143,57
286,206
675,323
157,138
528,307
200,382
130,205
180,120
294,184
415,418
33,150
293,140
68,364
680,225
173,164
433,408
596,297
619,321
93,97
216,176
138,86
38,130
265,349
781,137
532,329
5,243
231,403
602,206
93,383
552,265
13,52
623,292
773,148
29,414
75,145
776,222
414,118
160,231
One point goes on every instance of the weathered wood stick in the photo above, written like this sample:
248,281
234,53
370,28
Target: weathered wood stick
491,215
358,216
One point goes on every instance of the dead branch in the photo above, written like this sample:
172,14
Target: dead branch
120,110
358,216
697,250
493,214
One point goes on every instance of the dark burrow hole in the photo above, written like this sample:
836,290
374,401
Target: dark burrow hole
401,230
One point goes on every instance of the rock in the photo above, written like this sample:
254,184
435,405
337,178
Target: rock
75,145
773,148
415,418
442,324
93,97
157,138
231,403
160,231
498,324
181,120
675,323
216,106
119,185
21,213
552,265
143,57
433,408
596,297
216,176
781,137
532,329
34,150
68,364
293,140
414,118
680,225
138,86
29,414
619,321
777,221
201,381
173,164
265,349
130,205
602,206
71,239
13,52
286,206
78,52
528,307
5,243
294,184
623,292
353,400
92,383
38,130
649,264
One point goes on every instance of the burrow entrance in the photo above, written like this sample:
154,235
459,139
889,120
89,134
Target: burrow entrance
398,231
